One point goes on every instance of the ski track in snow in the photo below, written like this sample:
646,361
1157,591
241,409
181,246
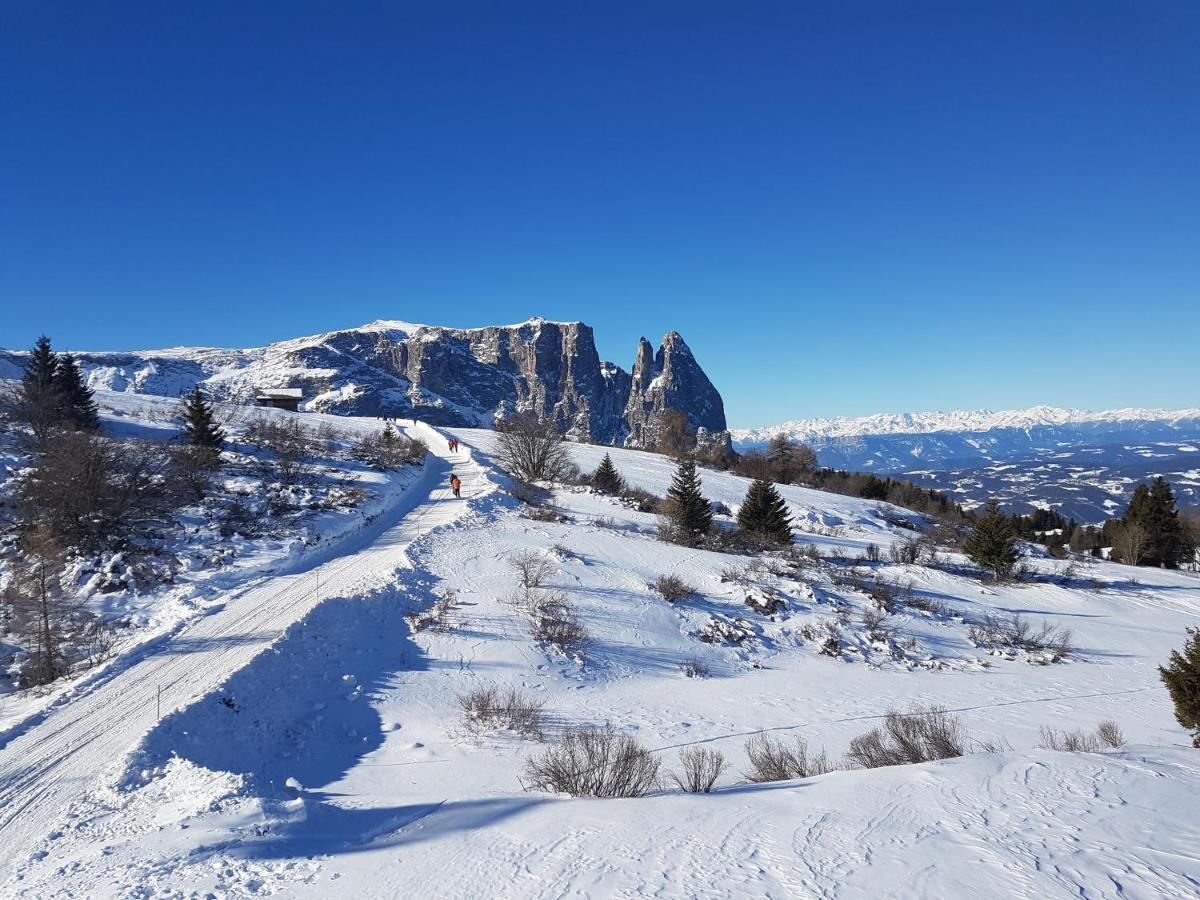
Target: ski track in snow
51,764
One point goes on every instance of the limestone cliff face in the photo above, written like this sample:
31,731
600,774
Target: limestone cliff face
445,376
670,379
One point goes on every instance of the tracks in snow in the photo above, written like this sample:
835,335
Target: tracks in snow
58,759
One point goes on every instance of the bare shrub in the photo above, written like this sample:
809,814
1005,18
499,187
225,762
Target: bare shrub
930,605
553,621
387,449
871,553
533,449
530,494
877,624
772,760
1019,633
694,667
1110,734
1107,735
906,551
673,588
699,769
918,736
594,762
832,644
290,443
533,569
883,595
439,617
491,708
641,500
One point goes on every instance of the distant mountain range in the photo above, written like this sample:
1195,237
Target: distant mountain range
1085,464
444,376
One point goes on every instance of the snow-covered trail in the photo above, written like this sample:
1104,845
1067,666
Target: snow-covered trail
55,760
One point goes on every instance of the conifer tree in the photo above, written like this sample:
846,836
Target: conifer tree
78,406
200,423
606,479
1182,678
764,512
1167,541
39,402
992,542
689,511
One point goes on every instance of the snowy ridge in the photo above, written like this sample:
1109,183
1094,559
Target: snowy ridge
973,421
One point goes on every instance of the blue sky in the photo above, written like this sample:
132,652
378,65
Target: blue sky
844,208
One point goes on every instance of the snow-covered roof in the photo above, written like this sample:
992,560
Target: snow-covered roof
280,394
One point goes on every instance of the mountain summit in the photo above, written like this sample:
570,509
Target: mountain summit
444,376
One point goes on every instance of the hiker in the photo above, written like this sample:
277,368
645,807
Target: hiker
456,485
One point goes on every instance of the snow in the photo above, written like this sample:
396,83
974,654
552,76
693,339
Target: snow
973,421
310,744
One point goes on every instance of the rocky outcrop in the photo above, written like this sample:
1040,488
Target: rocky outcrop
445,376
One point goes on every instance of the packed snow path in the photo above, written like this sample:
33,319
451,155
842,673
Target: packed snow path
57,759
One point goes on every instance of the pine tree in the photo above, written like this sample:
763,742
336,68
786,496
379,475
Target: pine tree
38,404
689,511
1167,541
78,407
606,479
764,512
1182,678
200,423
992,542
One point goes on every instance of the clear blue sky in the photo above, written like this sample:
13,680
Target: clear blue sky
844,208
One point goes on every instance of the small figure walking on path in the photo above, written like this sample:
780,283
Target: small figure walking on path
456,485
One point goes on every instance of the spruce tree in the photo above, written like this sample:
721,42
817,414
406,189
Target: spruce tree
200,423
992,542
689,511
1168,543
606,479
39,403
1182,678
764,512
78,407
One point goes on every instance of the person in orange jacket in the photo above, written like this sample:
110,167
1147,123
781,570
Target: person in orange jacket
456,485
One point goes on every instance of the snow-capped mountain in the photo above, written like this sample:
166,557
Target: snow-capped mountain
967,421
1082,463
444,376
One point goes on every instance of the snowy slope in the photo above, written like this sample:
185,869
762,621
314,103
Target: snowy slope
336,763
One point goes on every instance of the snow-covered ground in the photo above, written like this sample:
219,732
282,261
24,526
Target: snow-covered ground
196,564
312,744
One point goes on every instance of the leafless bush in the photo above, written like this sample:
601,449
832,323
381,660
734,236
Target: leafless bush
772,760
491,708
291,444
673,588
533,569
1110,734
906,551
387,449
1107,735
546,513
1018,633
918,736
533,449
883,595
439,617
832,644
930,605
639,499
877,624
553,621
694,667
699,769
91,491
530,494
766,602
871,553
594,762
